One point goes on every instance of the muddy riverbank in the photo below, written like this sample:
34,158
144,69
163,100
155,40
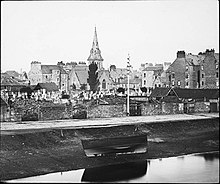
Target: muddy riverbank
47,151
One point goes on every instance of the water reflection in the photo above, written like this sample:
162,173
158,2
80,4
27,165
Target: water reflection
210,157
189,168
125,171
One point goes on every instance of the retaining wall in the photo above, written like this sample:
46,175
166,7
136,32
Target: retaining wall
105,111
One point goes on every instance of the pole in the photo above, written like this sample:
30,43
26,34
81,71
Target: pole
128,112
128,72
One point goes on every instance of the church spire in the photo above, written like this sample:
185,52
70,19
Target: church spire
95,40
95,53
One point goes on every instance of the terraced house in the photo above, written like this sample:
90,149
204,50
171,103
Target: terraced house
48,73
194,71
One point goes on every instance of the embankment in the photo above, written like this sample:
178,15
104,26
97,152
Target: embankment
39,152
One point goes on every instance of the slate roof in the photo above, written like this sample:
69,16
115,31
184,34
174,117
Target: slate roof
197,93
7,80
26,89
153,68
47,69
160,92
194,59
3,102
48,86
131,81
187,93
82,76
13,73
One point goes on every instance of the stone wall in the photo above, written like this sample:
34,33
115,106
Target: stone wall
163,108
202,107
172,108
54,113
104,111
150,109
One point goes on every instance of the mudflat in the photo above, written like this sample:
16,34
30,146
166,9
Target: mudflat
44,151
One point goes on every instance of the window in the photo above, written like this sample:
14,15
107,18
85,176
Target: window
217,83
58,72
144,74
202,75
173,83
187,67
58,79
216,74
216,66
155,77
202,83
178,83
173,75
202,67
144,82
155,85
159,85
46,76
187,84
187,76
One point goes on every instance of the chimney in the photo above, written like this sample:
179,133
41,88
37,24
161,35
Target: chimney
209,52
181,54
36,64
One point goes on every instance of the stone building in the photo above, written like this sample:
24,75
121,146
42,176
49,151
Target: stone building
105,80
209,69
151,76
183,72
48,73
194,71
78,76
95,53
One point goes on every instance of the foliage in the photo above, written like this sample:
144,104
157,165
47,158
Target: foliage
83,87
93,77
143,89
73,86
121,90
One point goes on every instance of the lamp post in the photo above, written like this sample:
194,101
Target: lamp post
128,72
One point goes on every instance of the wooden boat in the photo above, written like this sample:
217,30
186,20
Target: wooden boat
115,145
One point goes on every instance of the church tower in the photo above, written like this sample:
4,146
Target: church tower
95,53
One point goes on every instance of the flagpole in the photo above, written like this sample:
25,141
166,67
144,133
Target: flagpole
128,72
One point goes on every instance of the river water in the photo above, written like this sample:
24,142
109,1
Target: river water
197,168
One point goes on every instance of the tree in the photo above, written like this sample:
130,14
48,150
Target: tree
93,77
83,87
143,89
121,90
73,86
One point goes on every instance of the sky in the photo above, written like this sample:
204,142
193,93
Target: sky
149,31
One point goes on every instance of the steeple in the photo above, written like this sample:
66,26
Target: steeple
95,53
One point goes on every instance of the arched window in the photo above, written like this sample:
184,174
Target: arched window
103,84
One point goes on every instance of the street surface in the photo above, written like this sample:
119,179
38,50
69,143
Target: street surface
27,126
